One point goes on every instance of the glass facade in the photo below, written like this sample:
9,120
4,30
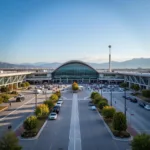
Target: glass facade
75,71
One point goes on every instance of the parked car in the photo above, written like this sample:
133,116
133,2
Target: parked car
60,101
58,104
142,104
53,116
134,100
20,98
147,107
56,109
93,108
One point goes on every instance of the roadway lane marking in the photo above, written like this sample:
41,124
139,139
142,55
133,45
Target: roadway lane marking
74,135
17,109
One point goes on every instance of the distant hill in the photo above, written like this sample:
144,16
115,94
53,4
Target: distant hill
133,63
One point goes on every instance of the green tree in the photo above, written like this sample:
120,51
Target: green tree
124,85
136,87
30,123
15,86
102,104
5,98
9,142
108,111
41,111
93,94
5,89
141,142
49,103
1,100
23,85
119,122
27,84
58,93
54,98
75,86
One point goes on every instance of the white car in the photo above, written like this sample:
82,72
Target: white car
37,91
58,104
147,107
60,101
52,116
93,107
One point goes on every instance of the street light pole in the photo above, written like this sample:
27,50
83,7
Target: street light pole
125,102
35,100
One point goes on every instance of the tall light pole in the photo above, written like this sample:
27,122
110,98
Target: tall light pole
110,94
125,101
109,58
35,99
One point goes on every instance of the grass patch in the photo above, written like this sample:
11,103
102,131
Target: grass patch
2,107
34,132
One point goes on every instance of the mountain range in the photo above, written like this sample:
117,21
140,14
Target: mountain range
133,63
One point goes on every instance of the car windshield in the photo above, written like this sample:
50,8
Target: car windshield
53,114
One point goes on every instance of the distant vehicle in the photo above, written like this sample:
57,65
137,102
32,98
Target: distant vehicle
53,116
142,104
134,100
37,91
93,108
20,98
147,107
90,103
56,109
58,104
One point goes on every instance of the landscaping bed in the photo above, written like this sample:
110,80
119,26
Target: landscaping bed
34,132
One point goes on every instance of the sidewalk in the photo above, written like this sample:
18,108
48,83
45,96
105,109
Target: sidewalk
131,130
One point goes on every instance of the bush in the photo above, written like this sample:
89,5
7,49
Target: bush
93,94
5,89
9,142
146,93
1,100
30,123
58,93
141,142
75,86
5,98
54,98
28,134
108,111
23,85
42,111
27,84
124,85
102,104
49,103
119,122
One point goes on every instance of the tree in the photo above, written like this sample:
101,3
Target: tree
23,85
9,142
119,122
146,93
136,87
1,100
15,86
5,89
75,86
27,84
124,85
5,98
41,111
30,123
102,104
49,103
141,142
58,93
54,98
108,111
93,94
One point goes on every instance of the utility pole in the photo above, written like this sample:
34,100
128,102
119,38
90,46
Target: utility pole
125,102
111,96
35,100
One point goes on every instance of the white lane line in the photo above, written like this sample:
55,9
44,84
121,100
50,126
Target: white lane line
74,136
17,109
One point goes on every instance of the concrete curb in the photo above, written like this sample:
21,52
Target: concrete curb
115,138
36,137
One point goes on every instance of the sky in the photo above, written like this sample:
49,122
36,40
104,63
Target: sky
62,30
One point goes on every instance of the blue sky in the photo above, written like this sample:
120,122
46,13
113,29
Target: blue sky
61,30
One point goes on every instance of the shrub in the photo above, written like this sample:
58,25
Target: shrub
14,86
30,123
119,122
124,85
102,104
93,94
108,111
75,86
1,100
54,98
27,84
9,142
146,93
23,85
5,98
41,111
5,89
141,142
49,103
58,93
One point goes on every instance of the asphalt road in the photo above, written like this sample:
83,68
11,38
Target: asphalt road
88,128
137,116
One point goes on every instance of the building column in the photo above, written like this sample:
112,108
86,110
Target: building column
67,80
89,80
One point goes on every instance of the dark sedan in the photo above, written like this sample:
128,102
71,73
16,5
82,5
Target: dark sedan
142,104
134,100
